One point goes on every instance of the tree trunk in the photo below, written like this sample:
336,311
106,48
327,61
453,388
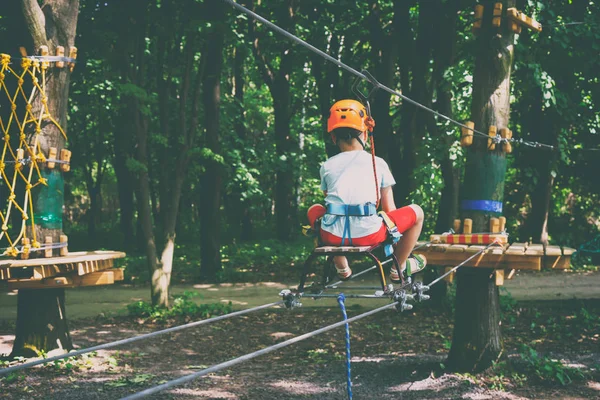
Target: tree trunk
41,318
210,202
45,327
477,339
125,189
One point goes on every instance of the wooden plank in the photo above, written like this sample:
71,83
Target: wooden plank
440,248
553,251
92,279
515,248
345,249
475,248
511,274
534,250
567,251
457,248
73,257
118,273
499,277
518,17
490,260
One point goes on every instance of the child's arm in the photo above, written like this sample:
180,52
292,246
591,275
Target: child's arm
387,199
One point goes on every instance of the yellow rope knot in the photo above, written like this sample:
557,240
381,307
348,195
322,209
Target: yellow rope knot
25,63
25,217
13,107
26,248
28,107
35,244
6,138
43,181
2,166
20,81
11,252
5,60
22,136
12,196
29,186
2,76
4,227
40,157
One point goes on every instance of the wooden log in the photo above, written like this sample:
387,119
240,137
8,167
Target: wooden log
466,138
478,18
64,251
502,221
511,274
492,135
497,18
65,155
506,134
523,20
48,249
456,226
52,156
26,243
44,52
457,248
60,52
494,225
467,225
499,277
72,54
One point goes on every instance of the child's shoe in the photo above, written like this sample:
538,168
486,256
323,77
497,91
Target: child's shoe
344,273
416,263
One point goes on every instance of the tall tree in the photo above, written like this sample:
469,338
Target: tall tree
477,339
41,318
279,82
212,179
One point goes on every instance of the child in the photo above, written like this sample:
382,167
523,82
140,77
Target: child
348,179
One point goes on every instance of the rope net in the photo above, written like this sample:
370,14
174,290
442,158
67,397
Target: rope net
23,89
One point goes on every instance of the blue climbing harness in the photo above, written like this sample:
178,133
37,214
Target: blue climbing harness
347,211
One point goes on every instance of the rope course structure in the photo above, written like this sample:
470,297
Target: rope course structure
400,303
22,158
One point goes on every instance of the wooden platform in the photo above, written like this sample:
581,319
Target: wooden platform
75,269
505,260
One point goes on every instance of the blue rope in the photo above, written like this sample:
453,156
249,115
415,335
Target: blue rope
341,299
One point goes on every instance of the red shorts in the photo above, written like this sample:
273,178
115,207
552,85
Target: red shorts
404,218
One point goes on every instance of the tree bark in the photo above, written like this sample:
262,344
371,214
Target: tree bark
45,328
477,339
52,26
210,202
278,81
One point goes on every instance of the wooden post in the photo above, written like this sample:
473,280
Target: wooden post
60,52
64,251
456,226
477,340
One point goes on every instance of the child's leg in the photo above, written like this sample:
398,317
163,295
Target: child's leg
410,236
342,266
406,244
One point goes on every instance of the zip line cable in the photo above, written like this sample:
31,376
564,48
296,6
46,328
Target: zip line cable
135,338
376,84
266,350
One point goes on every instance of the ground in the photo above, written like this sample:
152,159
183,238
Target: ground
394,356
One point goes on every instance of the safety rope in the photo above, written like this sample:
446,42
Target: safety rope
379,85
26,158
135,338
266,350
341,299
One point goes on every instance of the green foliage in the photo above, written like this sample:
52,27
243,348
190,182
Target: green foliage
547,369
184,307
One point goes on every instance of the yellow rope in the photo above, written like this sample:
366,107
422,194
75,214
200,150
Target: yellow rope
25,159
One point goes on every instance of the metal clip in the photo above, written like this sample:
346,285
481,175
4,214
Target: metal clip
290,299
401,298
419,289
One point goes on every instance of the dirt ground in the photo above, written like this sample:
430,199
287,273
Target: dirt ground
394,356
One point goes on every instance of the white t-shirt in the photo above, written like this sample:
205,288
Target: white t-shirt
348,179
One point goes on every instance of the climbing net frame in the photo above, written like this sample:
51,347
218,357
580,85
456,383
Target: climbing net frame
25,155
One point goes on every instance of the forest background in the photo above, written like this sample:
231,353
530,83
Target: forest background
197,133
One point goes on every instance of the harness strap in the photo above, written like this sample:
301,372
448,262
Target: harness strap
354,210
393,234
350,210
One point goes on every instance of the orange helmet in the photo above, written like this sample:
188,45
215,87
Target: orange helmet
347,114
